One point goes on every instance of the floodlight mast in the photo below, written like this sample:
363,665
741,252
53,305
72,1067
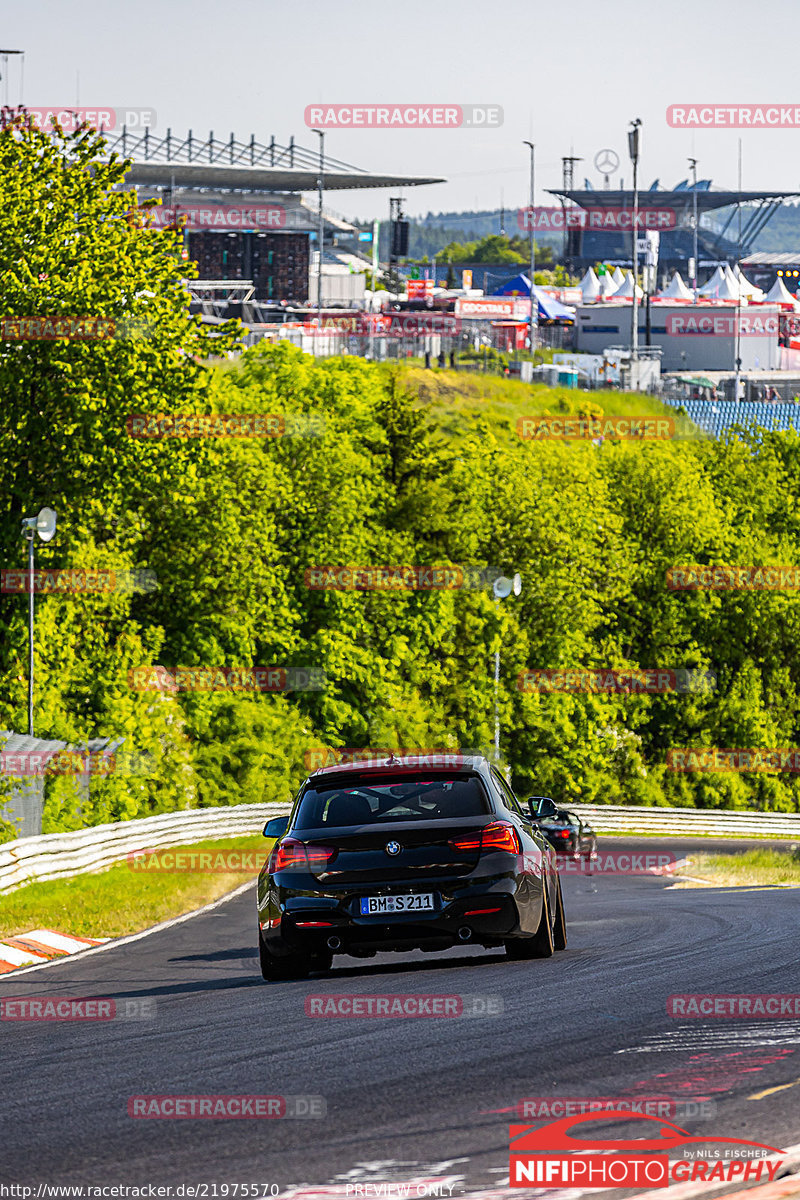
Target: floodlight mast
43,524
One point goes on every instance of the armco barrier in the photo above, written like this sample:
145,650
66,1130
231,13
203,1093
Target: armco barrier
687,822
60,855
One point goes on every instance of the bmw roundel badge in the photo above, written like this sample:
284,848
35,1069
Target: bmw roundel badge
392,847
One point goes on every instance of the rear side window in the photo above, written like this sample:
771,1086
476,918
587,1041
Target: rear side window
360,803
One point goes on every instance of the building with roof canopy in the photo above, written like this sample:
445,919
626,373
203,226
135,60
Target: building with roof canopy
243,209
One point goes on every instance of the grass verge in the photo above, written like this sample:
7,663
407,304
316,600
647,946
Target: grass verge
754,867
126,897
458,400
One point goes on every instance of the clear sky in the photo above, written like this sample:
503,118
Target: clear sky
569,76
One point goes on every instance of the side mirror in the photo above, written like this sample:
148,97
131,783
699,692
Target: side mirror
541,807
276,827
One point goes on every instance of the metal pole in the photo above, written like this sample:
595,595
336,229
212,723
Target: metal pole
739,288
534,313
634,305
29,535
633,151
497,693
376,233
321,235
693,163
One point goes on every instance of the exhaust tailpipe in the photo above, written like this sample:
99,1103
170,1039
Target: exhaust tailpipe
464,933
334,943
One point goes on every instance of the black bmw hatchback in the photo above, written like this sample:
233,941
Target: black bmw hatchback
405,854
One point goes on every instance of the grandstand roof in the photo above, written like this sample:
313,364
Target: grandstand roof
681,199
198,162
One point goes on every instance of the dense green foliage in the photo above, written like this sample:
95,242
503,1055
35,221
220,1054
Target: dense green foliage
396,475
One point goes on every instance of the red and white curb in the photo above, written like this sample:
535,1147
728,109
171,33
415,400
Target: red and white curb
39,946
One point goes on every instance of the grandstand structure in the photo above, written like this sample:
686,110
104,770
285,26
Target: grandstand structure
242,205
715,417
719,238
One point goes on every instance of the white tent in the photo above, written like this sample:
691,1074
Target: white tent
608,287
676,289
590,288
733,282
747,288
618,276
728,290
712,287
779,292
626,291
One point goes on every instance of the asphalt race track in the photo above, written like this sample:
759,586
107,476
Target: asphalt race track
405,1097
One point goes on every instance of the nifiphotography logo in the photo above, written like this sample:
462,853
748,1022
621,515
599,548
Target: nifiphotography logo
550,1156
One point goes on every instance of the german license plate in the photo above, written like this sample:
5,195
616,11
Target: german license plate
377,906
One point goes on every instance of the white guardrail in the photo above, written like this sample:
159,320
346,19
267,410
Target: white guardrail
688,822
61,855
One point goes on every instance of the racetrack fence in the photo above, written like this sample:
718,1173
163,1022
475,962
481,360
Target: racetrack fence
61,855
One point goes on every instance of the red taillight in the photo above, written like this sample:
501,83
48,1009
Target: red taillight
290,853
314,924
476,912
500,835
564,833
319,856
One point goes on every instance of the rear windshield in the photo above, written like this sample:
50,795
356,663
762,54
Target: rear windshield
390,800
563,818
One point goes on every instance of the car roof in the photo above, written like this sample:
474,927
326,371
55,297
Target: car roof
439,760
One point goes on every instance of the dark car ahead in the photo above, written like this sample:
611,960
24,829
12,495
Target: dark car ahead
568,834
402,855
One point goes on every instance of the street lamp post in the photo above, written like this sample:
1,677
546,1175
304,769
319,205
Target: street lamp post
321,235
534,303
502,587
693,165
44,523
633,150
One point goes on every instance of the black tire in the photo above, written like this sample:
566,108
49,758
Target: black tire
289,966
541,944
560,925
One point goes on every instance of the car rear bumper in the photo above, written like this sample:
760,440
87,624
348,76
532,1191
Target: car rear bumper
292,922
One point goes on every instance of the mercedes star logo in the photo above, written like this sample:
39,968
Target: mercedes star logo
606,161
392,847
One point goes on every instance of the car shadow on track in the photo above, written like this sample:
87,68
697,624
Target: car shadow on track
218,955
